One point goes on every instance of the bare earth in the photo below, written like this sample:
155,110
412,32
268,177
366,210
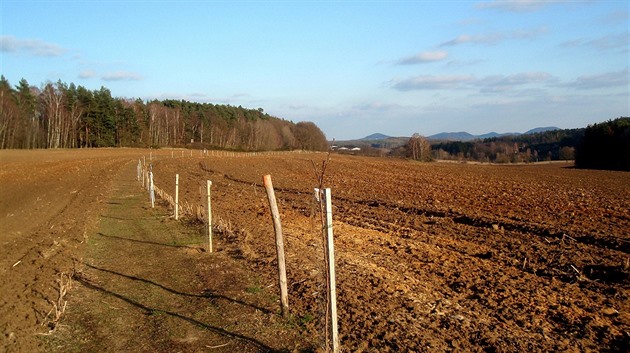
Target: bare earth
430,257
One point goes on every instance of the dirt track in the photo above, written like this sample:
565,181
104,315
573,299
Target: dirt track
48,201
430,257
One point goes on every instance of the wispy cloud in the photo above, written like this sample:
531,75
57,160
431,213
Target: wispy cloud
516,5
487,84
376,106
424,57
616,17
35,47
121,76
87,74
474,39
502,83
494,38
431,82
110,76
607,42
464,63
605,80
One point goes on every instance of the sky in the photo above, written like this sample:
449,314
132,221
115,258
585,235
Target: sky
352,67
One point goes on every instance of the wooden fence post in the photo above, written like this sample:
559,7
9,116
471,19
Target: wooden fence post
151,190
209,183
176,196
277,226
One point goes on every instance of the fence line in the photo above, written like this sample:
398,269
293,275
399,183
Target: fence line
203,214
220,153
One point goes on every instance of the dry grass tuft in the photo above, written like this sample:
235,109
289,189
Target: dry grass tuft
52,319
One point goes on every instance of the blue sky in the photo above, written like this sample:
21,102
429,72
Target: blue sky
352,67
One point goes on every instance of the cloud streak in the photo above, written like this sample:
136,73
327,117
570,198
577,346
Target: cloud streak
607,42
605,80
494,38
526,83
34,47
424,57
488,84
516,5
502,83
121,76
111,76
431,82
87,74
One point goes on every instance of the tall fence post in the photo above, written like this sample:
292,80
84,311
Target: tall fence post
277,226
330,253
139,170
176,196
151,190
330,247
209,183
144,167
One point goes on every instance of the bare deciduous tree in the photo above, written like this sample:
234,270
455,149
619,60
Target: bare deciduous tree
418,148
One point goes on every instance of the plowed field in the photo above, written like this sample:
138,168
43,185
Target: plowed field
431,257
436,257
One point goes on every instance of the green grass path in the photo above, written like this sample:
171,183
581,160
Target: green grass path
146,284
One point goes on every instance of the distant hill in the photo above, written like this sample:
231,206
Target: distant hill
378,140
465,136
452,136
541,129
375,137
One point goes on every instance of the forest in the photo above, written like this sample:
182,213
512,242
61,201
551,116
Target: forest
61,115
536,147
605,146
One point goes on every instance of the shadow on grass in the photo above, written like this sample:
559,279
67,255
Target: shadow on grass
150,311
206,294
117,218
151,242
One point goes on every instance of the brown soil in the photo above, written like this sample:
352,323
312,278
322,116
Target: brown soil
430,257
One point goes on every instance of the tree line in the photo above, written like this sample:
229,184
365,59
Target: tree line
61,115
605,146
535,147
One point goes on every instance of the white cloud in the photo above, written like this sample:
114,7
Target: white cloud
498,83
605,80
424,57
464,63
529,34
516,5
488,84
607,42
35,47
494,38
430,82
475,39
376,107
87,74
121,76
